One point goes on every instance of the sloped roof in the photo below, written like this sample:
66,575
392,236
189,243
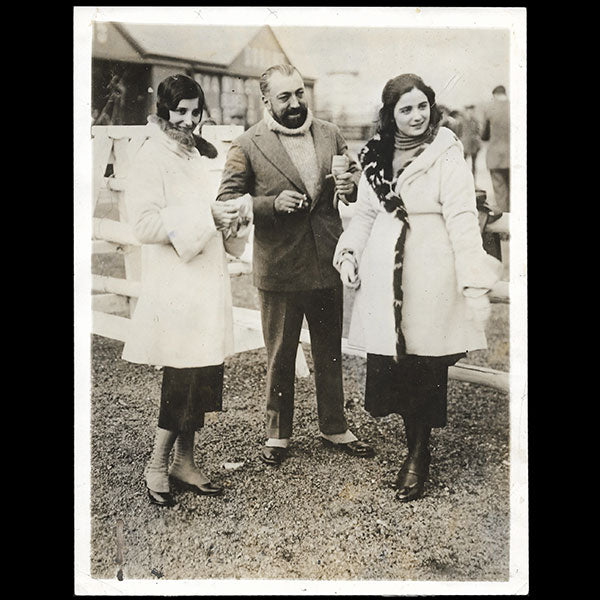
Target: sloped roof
196,43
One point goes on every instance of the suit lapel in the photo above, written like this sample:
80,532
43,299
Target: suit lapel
272,149
323,159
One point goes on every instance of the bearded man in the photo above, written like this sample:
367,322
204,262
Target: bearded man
284,162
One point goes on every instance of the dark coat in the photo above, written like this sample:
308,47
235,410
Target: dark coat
291,252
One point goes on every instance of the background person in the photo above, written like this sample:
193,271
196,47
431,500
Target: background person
183,318
448,119
283,162
496,130
471,137
413,251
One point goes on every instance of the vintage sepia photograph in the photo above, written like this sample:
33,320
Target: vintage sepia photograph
300,280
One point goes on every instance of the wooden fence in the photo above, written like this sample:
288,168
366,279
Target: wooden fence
114,147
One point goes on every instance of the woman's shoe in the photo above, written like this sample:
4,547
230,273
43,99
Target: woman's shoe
160,498
412,477
205,489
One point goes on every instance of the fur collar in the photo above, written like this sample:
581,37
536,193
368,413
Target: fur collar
162,131
376,162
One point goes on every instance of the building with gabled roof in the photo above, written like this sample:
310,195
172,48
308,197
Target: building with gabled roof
130,59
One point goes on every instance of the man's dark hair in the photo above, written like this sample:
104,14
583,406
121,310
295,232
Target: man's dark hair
284,69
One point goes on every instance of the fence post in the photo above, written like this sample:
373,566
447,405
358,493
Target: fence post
133,257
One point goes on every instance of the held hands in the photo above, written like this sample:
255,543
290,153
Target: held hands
349,274
240,226
290,201
478,310
224,214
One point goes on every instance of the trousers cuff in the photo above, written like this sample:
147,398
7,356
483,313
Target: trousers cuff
340,438
278,442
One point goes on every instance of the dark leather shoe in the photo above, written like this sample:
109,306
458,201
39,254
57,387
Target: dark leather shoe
273,455
206,489
160,498
412,477
355,448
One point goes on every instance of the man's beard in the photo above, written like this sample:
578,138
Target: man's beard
285,120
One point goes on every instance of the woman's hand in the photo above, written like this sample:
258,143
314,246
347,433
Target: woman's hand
478,309
344,185
349,274
224,214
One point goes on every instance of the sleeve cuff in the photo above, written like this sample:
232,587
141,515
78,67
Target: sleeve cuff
188,230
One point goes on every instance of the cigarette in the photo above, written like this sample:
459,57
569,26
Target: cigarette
300,203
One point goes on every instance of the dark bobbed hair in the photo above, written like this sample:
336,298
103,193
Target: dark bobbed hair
173,89
284,69
392,91
386,125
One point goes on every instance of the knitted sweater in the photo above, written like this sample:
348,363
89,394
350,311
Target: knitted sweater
300,146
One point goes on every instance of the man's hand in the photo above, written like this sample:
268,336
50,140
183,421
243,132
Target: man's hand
344,185
224,214
290,201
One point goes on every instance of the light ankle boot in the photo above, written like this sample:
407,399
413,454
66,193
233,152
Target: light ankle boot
156,472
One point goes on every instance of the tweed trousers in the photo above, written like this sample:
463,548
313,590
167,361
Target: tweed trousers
282,314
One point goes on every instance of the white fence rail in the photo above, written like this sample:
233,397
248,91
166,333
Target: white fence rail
117,145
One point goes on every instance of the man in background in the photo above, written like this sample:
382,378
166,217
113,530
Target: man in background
496,130
471,137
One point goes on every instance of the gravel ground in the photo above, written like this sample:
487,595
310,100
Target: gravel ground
320,515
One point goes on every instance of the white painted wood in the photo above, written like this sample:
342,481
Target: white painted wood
110,303
116,132
461,372
114,236
239,268
302,369
500,293
101,150
115,285
113,231
499,226
246,338
110,326
481,376
104,247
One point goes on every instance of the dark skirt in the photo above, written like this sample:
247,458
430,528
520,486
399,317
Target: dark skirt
187,394
414,386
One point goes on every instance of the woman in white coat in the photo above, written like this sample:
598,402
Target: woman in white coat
183,318
414,253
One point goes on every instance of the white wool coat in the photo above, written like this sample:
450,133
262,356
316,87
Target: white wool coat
183,317
443,256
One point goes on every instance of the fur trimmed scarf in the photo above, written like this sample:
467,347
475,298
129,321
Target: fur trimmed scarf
186,139
377,158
